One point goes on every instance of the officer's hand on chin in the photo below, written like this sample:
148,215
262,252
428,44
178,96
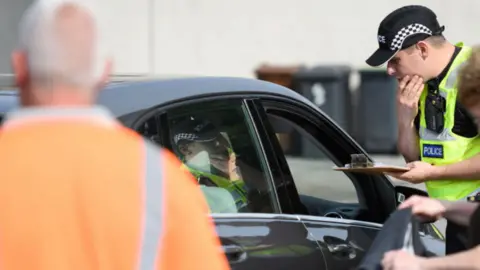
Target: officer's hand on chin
419,172
408,94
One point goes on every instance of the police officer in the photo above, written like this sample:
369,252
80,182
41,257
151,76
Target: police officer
208,156
433,126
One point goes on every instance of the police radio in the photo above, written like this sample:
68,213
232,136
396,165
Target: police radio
435,107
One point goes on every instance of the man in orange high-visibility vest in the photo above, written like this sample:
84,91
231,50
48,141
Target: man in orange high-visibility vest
79,190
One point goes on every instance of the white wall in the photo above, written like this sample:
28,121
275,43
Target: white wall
126,29
10,14
232,37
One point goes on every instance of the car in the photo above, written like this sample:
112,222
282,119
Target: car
299,213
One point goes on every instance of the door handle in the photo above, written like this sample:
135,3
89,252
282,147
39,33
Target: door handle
234,253
343,250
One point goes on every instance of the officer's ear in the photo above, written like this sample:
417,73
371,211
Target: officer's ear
423,49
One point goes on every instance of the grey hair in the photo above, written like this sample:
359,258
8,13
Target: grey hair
48,56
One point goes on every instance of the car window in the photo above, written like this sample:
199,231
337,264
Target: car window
217,144
311,167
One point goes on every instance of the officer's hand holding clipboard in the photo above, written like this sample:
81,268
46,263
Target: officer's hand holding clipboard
418,172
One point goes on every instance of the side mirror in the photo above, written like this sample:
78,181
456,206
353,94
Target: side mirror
404,192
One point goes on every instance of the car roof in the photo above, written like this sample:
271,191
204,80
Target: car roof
128,97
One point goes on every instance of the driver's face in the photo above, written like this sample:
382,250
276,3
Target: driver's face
192,149
213,148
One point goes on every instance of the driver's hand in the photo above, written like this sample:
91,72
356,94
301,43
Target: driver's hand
424,207
233,169
227,165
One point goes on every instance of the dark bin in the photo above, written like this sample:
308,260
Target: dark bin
328,87
282,75
376,112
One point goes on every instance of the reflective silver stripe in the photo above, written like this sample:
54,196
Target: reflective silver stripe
443,94
153,208
452,77
429,135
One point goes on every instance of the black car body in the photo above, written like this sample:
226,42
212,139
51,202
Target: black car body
280,229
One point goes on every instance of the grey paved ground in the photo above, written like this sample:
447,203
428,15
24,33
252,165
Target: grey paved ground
315,177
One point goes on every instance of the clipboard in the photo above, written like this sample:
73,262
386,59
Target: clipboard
374,169
362,164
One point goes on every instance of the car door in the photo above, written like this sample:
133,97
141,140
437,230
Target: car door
268,241
345,210
217,140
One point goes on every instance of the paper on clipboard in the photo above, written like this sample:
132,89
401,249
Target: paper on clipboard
376,168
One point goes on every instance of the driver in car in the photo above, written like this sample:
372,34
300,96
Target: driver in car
209,157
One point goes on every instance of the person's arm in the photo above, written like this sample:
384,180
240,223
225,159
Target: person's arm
468,169
459,212
408,117
190,240
408,141
466,260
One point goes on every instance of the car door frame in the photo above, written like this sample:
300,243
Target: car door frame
160,112
380,184
379,188
384,190
385,193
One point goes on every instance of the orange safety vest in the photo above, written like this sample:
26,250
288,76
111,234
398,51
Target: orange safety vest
80,191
